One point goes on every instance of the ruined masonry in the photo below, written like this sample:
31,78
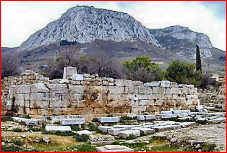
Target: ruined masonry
85,94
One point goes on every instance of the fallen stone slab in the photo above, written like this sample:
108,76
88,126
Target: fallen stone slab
217,120
104,129
115,131
144,130
166,127
146,117
127,127
168,116
84,132
78,121
127,133
101,139
26,121
114,148
109,119
187,124
52,128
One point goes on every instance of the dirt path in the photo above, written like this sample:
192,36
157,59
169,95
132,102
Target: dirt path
212,133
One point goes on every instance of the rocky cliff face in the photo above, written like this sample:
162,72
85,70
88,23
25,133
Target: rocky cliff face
85,24
183,41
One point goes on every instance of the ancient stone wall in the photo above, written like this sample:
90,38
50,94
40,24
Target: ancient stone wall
214,98
81,94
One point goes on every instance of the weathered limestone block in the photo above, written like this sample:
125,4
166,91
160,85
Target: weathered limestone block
79,77
144,130
39,104
101,139
76,121
57,128
39,96
115,131
22,89
39,88
127,133
153,84
109,119
146,117
58,88
119,82
104,129
68,72
165,84
76,89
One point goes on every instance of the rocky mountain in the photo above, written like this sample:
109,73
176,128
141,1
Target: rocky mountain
182,41
85,24
89,30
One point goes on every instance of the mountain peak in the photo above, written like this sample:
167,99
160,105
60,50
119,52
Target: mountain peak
85,24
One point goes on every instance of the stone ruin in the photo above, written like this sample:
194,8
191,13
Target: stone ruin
91,95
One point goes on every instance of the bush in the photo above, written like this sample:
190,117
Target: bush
95,120
10,149
17,130
143,69
130,137
34,129
208,147
6,118
86,148
75,128
18,142
81,138
66,133
92,127
183,73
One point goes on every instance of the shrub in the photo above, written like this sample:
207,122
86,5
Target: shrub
92,127
18,142
6,118
183,73
66,133
17,130
34,129
130,137
95,120
75,128
81,138
86,148
208,147
10,149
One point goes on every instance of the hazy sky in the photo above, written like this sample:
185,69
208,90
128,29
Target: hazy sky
21,19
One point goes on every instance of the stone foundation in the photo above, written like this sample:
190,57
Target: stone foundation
85,94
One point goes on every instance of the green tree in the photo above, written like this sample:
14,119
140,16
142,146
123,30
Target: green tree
198,59
143,69
184,73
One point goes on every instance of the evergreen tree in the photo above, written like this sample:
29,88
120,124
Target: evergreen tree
198,59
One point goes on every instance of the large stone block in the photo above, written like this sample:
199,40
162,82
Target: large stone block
101,139
58,88
127,133
22,89
104,129
39,96
165,84
76,89
78,77
109,119
39,88
77,121
144,130
57,128
68,72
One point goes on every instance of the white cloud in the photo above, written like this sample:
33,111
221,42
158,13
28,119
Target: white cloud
21,19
